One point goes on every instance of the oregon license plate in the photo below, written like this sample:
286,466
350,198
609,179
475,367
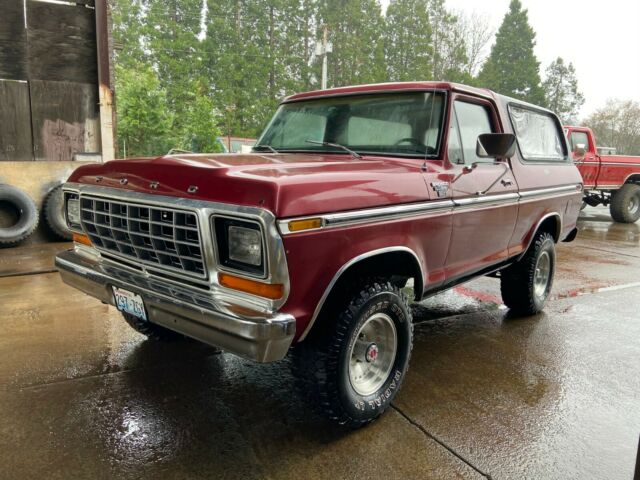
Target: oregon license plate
129,302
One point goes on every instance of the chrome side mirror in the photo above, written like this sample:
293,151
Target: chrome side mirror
496,145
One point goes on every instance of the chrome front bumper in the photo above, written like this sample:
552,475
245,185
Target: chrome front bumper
253,335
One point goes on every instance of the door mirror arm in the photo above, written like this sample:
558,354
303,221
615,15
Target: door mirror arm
506,170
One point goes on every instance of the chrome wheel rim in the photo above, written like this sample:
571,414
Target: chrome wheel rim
634,204
541,275
372,354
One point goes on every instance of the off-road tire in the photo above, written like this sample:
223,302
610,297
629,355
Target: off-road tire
152,330
320,363
27,216
53,208
518,281
625,204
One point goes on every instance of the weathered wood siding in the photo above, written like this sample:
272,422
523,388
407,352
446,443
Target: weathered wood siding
13,41
65,119
55,114
15,121
62,42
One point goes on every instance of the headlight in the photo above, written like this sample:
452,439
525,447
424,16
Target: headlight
240,245
73,210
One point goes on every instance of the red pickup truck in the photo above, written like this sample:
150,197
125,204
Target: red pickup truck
612,180
305,245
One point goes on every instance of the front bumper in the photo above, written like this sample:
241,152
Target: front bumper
236,329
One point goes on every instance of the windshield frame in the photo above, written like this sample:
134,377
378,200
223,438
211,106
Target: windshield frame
418,156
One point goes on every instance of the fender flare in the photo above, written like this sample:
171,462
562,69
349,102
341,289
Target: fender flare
345,267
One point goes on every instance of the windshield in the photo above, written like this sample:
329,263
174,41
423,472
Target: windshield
406,124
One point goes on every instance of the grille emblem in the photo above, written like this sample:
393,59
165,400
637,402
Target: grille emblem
154,185
123,181
192,189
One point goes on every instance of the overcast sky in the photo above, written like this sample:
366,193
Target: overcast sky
600,38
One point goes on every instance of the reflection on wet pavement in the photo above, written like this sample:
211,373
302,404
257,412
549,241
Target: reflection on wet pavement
552,396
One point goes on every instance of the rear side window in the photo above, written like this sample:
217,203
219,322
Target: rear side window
539,136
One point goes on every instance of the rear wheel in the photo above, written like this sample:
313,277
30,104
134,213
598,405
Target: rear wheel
625,204
352,368
526,285
151,330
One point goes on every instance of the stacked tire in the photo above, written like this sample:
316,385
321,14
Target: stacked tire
25,212
53,212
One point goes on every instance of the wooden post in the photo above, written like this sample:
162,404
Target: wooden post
105,90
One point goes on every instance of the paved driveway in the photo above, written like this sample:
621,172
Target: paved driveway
551,396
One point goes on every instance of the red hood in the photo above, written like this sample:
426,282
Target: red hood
286,184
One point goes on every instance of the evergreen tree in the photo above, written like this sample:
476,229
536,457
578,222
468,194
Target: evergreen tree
561,90
512,68
408,42
355,30
449,49
144,117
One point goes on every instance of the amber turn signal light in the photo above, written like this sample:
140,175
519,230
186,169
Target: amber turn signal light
83,239
266,290
306,224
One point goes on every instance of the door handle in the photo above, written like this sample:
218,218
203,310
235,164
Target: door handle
506,183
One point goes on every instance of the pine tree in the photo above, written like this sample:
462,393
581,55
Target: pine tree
408,42
561,90
355,30
512,68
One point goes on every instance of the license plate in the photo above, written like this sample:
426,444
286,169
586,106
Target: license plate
129,302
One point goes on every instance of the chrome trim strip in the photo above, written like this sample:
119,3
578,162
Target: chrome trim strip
342,269
499,198
276,261
574,187
356,217
621,164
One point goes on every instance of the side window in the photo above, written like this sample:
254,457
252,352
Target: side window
539,134
473,120
579,138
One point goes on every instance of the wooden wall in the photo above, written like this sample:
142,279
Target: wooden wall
48,80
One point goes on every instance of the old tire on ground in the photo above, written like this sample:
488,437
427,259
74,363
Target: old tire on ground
352,366
525,285
625,204
25,212
152,330
54,213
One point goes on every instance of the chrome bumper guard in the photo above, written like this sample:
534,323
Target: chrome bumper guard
254,335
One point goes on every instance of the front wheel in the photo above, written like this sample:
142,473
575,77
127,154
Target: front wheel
625,204
526,285
352,368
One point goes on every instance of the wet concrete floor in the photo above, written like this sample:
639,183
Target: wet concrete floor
551,396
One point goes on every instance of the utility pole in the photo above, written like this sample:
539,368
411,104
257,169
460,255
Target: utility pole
323,50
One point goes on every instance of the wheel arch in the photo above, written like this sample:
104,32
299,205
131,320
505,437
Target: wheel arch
550,223
400,262
633,178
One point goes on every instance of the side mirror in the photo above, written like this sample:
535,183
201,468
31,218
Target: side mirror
496,145
580,150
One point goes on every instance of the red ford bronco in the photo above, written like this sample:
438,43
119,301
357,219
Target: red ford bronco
612,180
305,244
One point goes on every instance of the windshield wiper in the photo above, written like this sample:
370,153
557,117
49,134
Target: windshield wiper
335,145
268,147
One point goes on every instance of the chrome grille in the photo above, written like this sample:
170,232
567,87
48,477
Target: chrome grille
154,235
